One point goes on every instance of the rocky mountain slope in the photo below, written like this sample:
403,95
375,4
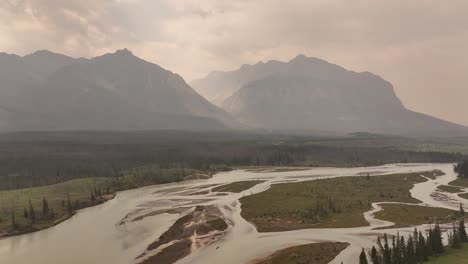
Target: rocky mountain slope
117,91
312,94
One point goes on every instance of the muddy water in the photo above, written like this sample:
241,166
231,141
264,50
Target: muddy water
98,234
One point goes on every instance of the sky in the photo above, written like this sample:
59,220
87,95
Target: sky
420,46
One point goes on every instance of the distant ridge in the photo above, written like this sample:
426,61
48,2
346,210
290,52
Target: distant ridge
115,91
312,94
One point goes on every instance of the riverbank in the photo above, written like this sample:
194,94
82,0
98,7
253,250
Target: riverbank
327,203
33,209
101,239
200,228
51,222
317,253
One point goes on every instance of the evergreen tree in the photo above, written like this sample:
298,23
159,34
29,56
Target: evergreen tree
363,257
375,258
69,205
14,225
455,238
430,243
461,168
462,211
437,237
395,249
462,230
32,213
410,255
387,254
402,249
421,253
379,244
45,208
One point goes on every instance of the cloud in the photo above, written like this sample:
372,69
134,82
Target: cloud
420,46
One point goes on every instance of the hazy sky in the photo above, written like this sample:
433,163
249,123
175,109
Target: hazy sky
419,46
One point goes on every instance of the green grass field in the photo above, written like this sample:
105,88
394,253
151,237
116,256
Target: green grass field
330,203
450,189
236,187
460,182
319,253
79,191
409,215
452,256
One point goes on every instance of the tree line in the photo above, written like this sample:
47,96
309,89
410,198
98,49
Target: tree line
39,162
46,213
461,168
416,248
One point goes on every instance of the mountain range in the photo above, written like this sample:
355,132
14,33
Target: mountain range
119,91
312,94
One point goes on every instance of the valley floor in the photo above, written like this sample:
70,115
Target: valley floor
452,256
64,199
312,203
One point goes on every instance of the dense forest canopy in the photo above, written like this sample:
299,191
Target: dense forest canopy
36,159
461,168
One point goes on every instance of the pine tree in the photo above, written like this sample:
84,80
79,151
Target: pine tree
93,198
462,230
462,211
395,249
32,213
438,243
430,243
456,242
380,246
69,205
45,208
363,257
410,256
375,258
421,253
14,225
402,249
387,254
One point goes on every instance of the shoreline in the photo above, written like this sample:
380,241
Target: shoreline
29,230
54,223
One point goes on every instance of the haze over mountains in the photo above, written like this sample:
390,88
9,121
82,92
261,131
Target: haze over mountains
312,94
118,91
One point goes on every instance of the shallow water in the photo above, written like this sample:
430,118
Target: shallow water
94,235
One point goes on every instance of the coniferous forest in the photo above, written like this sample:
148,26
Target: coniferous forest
461,168
38,159
415,248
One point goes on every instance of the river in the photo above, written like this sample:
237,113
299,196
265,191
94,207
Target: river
98,235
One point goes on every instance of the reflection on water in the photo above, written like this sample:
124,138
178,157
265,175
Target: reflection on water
96,235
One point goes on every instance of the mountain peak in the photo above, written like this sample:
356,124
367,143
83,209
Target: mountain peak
124,52
42,52
304,58
300,57
45,53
